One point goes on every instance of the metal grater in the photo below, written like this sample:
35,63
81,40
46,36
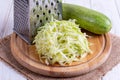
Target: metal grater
31,14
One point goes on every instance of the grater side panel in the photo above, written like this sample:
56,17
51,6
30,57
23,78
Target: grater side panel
21,19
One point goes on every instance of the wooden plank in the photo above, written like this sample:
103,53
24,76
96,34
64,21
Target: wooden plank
8,73
110,10
113,74
117,3
3,9
85,3
9,25
5,13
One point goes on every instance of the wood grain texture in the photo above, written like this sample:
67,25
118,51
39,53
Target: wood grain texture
26,55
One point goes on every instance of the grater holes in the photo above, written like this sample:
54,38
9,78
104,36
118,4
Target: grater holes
49,11
40,8
44,10
34,23
43,13
37,3
40,21
46,18
46,6
58,13
33,10
57,1
52,4
55,8
37,16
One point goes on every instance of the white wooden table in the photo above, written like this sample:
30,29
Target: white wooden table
110,8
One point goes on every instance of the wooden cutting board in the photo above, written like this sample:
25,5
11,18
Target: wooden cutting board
27,56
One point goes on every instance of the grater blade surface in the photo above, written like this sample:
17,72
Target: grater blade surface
31,14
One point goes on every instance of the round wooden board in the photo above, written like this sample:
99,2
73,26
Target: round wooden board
26,55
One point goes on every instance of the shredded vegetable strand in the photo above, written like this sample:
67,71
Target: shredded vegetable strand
61,42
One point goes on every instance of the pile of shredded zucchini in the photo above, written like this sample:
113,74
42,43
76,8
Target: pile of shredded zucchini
61,42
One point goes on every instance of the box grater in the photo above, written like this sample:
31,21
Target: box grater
31,14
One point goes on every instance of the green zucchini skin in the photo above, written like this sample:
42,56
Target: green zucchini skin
87,19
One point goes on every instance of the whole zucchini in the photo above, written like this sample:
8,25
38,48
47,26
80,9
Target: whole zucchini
88,19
